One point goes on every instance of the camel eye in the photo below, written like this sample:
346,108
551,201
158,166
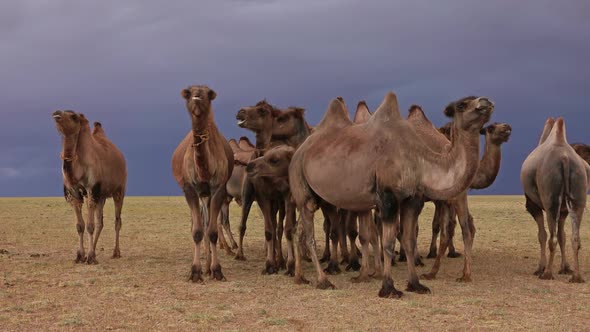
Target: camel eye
274,161
461,106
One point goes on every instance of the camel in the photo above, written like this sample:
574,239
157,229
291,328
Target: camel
556,180
382,163
202,164
93,168
582,150
272,127
495,134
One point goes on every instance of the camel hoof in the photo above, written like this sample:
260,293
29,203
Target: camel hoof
325,284
116,253
388,291
428,276
240,257
80,258
217,274
417,288
353,265
290,269
402,258
359,279
195,275
91,259
565,270
431,254
332,268
539,271
546,276
269,269
281,264
300,280
464,279
453,254
577,280
418,262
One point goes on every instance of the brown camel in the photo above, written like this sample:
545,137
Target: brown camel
382,163
272,127
495,134
93,168
202,164
582,150
556,180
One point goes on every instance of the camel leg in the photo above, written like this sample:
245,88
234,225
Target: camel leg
461,209
212,231
221,237
435,229
77,205
99,215
327,228
565,267
365,239
537,213
443,217
197,228
91,207
342,236
352,231
330,211
451,234
409,211
374,239
247,200
289,230
118,200
226,224
389,209
553,202
280,259
576,217
269,235
308,231
204,209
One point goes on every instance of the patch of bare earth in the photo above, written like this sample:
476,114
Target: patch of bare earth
42,289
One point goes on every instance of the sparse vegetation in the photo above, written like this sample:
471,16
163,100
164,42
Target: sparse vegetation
147,288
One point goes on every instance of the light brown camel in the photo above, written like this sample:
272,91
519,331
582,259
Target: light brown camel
272,127
382,163
93,168
556,180
495,134
202,164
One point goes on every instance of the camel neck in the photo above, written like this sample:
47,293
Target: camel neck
201,141
263,139
300,135
448,174
489,166
74,152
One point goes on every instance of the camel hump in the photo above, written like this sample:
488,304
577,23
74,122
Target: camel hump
415,113
558,134
97,128
233,144
546,130
362,113
336,116
245,144
388,110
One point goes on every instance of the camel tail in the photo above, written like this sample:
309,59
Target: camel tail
567,197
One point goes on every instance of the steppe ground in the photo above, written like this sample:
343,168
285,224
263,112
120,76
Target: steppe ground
42,289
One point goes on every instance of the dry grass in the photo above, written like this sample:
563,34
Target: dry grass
42,289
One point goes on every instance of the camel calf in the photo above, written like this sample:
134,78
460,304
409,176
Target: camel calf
93,168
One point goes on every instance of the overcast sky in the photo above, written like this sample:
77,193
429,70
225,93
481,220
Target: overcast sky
124,63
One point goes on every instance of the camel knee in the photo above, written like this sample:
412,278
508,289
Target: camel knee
80,228
213,235
118,224
268,236
90,228
198,236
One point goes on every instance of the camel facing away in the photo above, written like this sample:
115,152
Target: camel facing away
556,180
93,168
382,163
202,164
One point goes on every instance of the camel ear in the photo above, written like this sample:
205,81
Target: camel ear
212,94
185,93
450,110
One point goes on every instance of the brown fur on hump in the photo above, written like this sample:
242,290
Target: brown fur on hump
426,130
234,145
546,130
387,112
362,113
245,144
582,150
336,116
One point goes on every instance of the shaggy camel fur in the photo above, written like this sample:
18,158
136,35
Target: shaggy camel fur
556,180
93,168
495,134
582,150
202,164
272,127
382,163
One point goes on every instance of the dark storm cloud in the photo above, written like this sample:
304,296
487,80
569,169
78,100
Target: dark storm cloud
124,63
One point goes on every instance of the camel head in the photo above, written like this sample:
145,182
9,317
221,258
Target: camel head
258,117
288,122
470,113
273,164
498,133
68,122
198,101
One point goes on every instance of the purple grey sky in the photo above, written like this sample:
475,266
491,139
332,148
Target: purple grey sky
124,63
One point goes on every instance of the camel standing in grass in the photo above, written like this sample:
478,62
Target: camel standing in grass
382,163
556,180
93,168
272,127
202,164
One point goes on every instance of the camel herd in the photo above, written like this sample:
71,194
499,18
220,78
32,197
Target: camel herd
369,176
